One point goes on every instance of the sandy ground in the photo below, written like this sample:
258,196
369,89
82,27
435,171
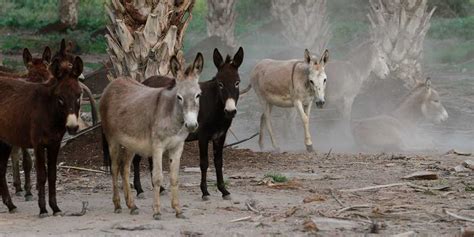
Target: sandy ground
313,202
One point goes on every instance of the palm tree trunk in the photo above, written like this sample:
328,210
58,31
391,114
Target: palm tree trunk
221,18
144,34
400,26
68,12
305,22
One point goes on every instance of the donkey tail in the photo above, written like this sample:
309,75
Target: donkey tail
246,89
106,152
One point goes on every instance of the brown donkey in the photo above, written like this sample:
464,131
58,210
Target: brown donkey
36,115
38,71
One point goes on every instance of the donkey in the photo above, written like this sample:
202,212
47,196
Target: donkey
390,132
150,122
217,110
37,115
347,77
290,83
38,71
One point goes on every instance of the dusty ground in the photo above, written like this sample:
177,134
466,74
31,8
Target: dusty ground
278,209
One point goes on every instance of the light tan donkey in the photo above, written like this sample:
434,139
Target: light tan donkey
290,83
150,122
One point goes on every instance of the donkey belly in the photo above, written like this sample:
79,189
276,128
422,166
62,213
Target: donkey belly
278,100
139,146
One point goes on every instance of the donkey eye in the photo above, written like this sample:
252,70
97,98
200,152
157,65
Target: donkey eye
312,82
198,96
221,85
180,98
237,84
436,101
325,79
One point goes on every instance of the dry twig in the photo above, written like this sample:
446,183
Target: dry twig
373,187
80,168
458,216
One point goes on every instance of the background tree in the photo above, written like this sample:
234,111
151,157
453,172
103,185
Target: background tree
68,12
221,16
305,22
401,26
143,35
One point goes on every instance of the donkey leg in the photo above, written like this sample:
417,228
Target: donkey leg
5,151
305,120
27,164
53,151
218,146
125,171
157,178
114,150
150,167
262,128
268,120
175,157
136,176
41,179
204,164
16,170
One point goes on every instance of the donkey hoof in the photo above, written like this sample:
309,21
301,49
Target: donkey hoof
43,215
118,210
227,197
28,198
157,216
19,193
206,198
309,148
141,196
180,216
13,210
134,211
59,213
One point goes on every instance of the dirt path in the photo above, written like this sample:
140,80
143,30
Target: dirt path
278,209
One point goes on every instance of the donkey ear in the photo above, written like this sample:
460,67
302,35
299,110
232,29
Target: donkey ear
324,58
55,68
46,55
77,67
217,57
62,48
175,66
198,63
238,58
27,58
307,56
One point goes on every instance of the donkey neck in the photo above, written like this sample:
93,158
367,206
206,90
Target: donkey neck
167,100
362,60
409,111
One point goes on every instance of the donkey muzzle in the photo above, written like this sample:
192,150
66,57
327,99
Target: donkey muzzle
230,108
320,104
72,130
192,127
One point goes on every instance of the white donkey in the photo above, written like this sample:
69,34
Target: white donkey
290,83
150,122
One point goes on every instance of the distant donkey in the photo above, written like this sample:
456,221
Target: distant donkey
393,131
291,83
347,77
150,122
217,110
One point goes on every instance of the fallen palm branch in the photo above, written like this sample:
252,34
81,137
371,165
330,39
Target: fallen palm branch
80,168
82,132
373,187
458,216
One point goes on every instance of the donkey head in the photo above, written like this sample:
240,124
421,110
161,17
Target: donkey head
431,106
378,61
228,80
188,90
67,92
38,67
65,57
317,76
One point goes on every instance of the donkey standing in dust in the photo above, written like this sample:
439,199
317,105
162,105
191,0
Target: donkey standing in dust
149,122
347,77
392,132
290,83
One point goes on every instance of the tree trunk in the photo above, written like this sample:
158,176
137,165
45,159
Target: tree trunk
68,12
221,18
144,34
305,22
400,26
